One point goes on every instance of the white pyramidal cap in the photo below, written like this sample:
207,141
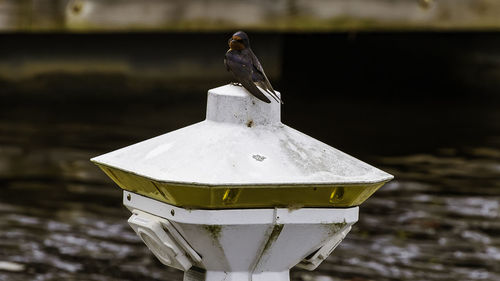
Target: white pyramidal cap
241,142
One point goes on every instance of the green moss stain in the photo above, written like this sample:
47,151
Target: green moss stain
294,206
336,227
273,237
214,231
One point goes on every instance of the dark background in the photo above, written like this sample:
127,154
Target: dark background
429,82
423,106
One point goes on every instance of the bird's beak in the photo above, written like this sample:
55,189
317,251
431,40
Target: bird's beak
233,44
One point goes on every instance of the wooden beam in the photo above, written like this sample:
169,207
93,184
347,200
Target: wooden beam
226,15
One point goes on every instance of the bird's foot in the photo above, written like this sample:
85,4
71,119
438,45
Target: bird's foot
236,84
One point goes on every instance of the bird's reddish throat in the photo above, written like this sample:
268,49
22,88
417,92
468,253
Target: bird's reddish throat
236,44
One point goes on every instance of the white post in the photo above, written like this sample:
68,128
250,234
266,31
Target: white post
211,199
238,244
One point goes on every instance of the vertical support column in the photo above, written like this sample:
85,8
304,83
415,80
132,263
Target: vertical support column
272,276
197,275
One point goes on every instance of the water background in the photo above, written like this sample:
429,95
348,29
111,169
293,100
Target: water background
61,218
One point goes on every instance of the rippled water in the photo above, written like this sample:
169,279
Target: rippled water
62,219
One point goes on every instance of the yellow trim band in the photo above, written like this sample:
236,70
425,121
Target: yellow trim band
250,196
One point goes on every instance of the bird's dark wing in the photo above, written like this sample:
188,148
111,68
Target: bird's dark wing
250,86
225,64
242,71
260,78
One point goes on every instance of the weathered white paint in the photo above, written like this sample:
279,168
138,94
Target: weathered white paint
239,245
242,142
238,216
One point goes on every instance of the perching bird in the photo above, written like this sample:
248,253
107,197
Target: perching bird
246,68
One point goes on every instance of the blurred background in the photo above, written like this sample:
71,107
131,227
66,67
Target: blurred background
410,86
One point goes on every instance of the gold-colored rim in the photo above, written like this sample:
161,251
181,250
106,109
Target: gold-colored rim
195,196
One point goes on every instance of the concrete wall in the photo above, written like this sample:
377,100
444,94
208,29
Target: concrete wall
223,15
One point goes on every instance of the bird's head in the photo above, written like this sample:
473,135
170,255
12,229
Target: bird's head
239,41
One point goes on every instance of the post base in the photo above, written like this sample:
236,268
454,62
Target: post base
238,244
196,274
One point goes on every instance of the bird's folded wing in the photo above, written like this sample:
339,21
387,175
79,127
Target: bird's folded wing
250,86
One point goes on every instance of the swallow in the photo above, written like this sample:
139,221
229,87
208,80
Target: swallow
246,68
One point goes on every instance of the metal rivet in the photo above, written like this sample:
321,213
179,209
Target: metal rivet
172,212
129,197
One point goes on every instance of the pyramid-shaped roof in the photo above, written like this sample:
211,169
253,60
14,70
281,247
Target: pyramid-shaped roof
242,142
241,156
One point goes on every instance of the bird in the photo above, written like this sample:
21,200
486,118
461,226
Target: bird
246,68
